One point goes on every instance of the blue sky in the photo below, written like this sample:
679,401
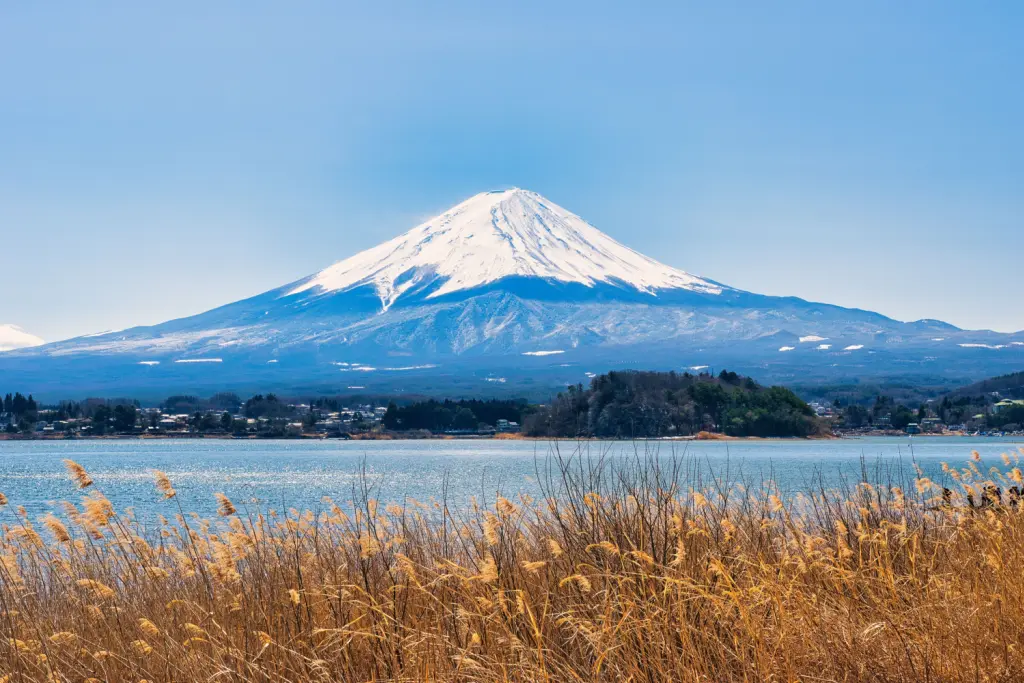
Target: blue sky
156,162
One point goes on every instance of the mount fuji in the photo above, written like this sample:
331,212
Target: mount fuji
506,291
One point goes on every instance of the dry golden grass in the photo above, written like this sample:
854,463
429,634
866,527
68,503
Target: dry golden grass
628,576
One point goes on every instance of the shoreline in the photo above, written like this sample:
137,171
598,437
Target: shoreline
463,437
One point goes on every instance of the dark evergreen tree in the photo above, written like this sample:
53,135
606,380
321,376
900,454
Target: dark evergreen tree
124,419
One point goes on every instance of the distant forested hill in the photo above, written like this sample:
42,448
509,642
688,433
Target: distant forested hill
1009,386
654,404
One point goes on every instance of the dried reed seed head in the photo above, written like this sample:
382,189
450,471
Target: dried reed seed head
163,484
78,473
579,580
606,546
98,510
294,597
3,500
57,528
97,589
225,508
491,524
505,507
534,567
554,548
18,645
149,628
488,571
642,557
195,630
64,638
728,527
142,647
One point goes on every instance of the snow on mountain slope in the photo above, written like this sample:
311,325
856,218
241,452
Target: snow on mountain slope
495,235
13,337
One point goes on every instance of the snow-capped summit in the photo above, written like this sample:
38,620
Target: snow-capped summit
13,337
495,235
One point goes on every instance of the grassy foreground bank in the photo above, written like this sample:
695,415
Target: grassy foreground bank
623,573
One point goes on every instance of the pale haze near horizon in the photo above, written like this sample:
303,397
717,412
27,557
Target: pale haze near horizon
158,163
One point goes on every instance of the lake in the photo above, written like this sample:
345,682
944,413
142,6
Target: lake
282,474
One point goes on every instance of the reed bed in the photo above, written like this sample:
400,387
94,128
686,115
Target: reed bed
618,572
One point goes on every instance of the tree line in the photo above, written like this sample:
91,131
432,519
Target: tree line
447,415
629,404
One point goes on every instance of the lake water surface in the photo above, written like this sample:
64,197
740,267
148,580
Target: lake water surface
298,474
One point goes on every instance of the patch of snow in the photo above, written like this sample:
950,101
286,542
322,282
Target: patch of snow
13,337
200,360
698,367
542,353
271,361
982,346
495,235
591,375
812,338
854,347
499,380
1016,343
149,362
787,348
823,347
355,387
938,339
411,367
168,343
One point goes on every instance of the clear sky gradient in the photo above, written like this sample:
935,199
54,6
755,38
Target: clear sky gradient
155,163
